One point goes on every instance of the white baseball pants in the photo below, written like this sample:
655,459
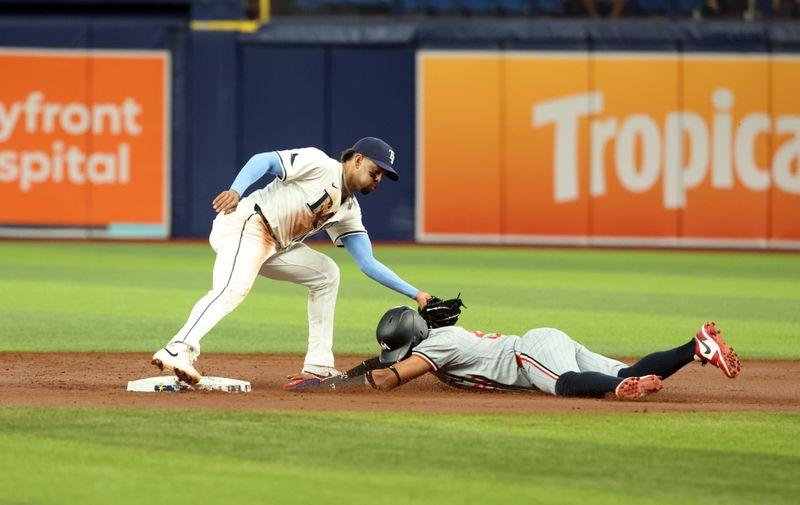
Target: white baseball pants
546,353
244,250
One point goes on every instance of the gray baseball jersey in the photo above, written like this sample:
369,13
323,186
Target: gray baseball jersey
308,198
472,359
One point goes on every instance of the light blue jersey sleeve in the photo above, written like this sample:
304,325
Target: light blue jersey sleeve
255,168
360,248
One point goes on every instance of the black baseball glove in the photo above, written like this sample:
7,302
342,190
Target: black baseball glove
438,312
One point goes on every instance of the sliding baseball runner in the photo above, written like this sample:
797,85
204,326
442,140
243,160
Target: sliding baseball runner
544,359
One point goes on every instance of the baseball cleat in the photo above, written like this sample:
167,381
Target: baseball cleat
302,384
710,347
314,372
634,388
319,371
178,358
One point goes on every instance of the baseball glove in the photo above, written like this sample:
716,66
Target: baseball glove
438,312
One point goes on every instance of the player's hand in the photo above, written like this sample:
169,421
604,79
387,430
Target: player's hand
226,201
422,299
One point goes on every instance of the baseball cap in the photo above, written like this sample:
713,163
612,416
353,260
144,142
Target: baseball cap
379,152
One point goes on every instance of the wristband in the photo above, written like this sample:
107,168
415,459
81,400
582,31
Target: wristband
371,380
396,374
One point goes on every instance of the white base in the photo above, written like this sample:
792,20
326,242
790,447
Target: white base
171,384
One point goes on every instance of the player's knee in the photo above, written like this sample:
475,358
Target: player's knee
557,339
329,275
233,295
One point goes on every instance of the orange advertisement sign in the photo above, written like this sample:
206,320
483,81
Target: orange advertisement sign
617,149
84,147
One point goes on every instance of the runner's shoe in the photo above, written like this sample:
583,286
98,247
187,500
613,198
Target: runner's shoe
302,384
710,347
178,358
634,388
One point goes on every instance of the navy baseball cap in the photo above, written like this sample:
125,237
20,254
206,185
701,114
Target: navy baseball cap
379,152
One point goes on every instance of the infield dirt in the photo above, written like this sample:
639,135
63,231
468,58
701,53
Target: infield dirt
100,379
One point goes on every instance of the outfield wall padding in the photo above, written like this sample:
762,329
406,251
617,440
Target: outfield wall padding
327,83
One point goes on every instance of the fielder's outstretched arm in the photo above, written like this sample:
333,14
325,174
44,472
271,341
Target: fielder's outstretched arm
360,248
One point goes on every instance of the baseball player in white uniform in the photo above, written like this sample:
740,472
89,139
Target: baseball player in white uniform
544,359
263,234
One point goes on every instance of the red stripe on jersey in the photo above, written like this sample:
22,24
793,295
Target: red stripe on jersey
538,367
426,360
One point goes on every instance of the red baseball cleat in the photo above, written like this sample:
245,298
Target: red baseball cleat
634,388
302,384
710,347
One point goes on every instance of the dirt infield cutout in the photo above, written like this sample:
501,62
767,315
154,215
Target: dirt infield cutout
100,379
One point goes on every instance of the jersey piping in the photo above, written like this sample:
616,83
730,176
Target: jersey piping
426,359
283,168
227,283
529,360
478,382
343,235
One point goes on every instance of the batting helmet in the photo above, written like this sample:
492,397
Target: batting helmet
399,330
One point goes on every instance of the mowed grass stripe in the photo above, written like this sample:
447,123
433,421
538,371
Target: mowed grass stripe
189,255
293,457
767,275
124,299
119,296
134,477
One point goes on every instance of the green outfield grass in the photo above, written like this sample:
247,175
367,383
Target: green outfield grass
134,297
123,456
